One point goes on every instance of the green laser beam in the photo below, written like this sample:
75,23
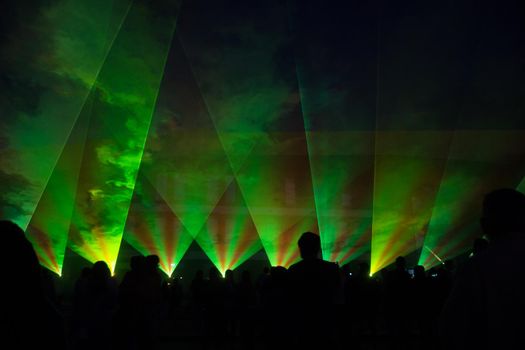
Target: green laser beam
126,93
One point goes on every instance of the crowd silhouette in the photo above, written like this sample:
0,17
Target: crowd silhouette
313,304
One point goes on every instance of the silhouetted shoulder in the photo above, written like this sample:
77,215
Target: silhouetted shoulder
317,264
322,274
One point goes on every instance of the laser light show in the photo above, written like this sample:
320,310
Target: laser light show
235,127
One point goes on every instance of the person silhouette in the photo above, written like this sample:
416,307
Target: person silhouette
397,298
230,302
247,300
479,246
486,306
276,300
313,283
29,320
361,300
419,292
101,302
150,296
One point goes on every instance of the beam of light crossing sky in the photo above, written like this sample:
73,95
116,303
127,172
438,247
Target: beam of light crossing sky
124,100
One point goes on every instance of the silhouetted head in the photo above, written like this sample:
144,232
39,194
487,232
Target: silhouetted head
278,274
100,270
19,261
228,275
137,262
480,244
503,213
419,271
309,245
152,261
401,263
